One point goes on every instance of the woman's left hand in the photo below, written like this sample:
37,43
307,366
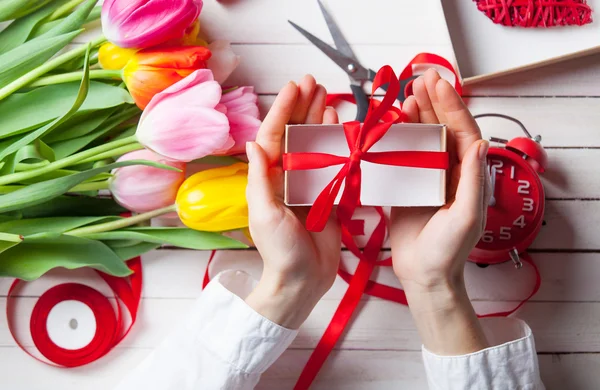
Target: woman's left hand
299,266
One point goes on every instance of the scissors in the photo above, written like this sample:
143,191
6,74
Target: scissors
345,58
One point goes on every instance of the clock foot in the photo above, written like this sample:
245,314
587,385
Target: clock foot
514,255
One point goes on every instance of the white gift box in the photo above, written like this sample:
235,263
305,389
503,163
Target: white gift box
382,185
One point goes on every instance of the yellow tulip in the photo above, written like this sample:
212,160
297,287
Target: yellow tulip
112,57
215,199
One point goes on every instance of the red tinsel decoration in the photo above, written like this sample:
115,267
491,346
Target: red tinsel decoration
536,13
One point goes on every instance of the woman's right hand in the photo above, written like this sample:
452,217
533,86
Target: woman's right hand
430,245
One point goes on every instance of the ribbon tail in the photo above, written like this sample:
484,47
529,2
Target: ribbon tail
319,213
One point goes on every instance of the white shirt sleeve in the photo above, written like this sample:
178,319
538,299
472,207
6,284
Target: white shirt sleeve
223,344
511,363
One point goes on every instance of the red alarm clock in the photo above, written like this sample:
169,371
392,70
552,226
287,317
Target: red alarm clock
516,209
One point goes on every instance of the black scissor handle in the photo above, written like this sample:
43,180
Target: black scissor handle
362,102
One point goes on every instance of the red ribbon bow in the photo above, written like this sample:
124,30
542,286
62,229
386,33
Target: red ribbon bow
361,138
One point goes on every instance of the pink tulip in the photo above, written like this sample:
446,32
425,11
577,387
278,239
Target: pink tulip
140,188
145,23
223,60
186,122
243,114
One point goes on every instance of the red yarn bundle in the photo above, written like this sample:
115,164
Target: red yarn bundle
537,13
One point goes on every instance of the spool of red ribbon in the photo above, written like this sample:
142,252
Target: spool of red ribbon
111,324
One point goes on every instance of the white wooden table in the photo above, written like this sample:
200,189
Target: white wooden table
382,348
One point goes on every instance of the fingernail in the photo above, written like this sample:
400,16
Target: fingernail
483,150
250,150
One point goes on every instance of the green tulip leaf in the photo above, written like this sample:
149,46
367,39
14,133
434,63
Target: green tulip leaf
33,258
60,173
14,9
71,206
37,151
23,112
130,251
57,225
44,191
80,124
9,164
8,240
68,147
13,144
72,22
28,56
180,237
22,29
45,27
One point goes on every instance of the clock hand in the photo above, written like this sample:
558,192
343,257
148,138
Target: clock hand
493,178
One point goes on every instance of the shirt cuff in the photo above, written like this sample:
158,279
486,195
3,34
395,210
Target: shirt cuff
510,363
233,331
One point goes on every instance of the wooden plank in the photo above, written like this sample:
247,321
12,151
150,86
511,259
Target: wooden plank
350,369
570,226
379,325
544,116
21,372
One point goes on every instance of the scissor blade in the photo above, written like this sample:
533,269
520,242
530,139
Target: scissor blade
349,65
340,42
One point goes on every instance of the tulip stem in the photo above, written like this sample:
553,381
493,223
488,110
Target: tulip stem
63,10
65,162
93,186
121,223
95,74
47,67
113,152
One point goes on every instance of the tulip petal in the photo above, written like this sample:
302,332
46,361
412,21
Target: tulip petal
243,128
185,57
223,61
142,188
197,78
184,134
145,23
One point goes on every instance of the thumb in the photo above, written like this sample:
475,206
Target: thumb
260,192
471,193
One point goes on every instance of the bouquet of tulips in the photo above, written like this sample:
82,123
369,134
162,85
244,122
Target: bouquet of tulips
124,116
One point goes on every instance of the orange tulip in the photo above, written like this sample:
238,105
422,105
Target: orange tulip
151,71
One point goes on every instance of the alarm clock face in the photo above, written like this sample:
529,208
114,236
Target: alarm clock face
516,209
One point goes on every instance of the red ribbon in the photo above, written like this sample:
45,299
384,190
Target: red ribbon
110,327
360,139
407,73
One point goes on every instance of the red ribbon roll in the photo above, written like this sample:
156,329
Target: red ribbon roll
110,326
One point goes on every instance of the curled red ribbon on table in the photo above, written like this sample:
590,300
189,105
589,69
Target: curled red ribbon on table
360,138
111,327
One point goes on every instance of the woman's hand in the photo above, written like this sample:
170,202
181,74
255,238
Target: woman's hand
299,266
430,245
